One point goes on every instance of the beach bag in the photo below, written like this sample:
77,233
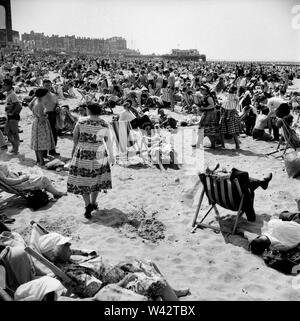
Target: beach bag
292,164
37,199
284,262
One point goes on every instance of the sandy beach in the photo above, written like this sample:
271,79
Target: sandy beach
146,215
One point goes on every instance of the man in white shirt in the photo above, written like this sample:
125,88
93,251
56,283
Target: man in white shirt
274,103
277,234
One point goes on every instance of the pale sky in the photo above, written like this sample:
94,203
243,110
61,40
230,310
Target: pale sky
221,29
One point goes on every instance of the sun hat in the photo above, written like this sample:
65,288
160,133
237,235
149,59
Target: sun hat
48,242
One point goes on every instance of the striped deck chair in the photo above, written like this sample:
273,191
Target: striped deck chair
222,191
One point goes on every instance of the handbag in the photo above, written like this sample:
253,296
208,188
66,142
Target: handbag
37,199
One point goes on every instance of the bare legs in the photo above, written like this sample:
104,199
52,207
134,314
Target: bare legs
86,198
40,157
236,140
51,189
90,203
94,196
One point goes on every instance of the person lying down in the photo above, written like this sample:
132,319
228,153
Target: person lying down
278,234
140,276
24,182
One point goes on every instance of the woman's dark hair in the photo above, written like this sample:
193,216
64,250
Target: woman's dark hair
265,111
283,110
232,90
94,109
41,92
259,245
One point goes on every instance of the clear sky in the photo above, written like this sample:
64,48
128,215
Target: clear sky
221,29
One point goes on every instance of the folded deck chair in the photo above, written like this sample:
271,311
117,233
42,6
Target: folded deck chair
45,267
222,191
291,138
42,265
129,141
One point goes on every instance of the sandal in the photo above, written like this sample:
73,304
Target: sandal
88,211
5,219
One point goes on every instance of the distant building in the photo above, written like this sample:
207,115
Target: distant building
185,54
71,44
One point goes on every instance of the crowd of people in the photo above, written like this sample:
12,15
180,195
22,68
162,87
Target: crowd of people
227,99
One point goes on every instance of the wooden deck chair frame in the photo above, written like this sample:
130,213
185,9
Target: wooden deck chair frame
213,204
65,279
288,144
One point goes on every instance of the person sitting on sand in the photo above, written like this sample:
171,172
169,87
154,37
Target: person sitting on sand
262,121
24,182
166,121
139,276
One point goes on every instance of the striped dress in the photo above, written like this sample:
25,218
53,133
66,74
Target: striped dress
89,168
230,121
41,134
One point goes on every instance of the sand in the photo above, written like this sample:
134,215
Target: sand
147,215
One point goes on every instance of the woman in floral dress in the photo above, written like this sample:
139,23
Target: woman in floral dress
41,135
90,170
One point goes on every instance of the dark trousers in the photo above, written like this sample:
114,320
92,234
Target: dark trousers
52,121
248,186
12,132
275,132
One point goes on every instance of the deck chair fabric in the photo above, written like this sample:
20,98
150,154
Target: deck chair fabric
291,138
222,191
117,130
68,280
18,267
11,190
36,232
129,143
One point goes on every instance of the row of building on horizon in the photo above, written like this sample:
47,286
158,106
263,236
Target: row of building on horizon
114,46
34,41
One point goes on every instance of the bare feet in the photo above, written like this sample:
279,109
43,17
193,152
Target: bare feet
60,194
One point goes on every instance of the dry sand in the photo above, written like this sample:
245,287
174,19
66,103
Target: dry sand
214,268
